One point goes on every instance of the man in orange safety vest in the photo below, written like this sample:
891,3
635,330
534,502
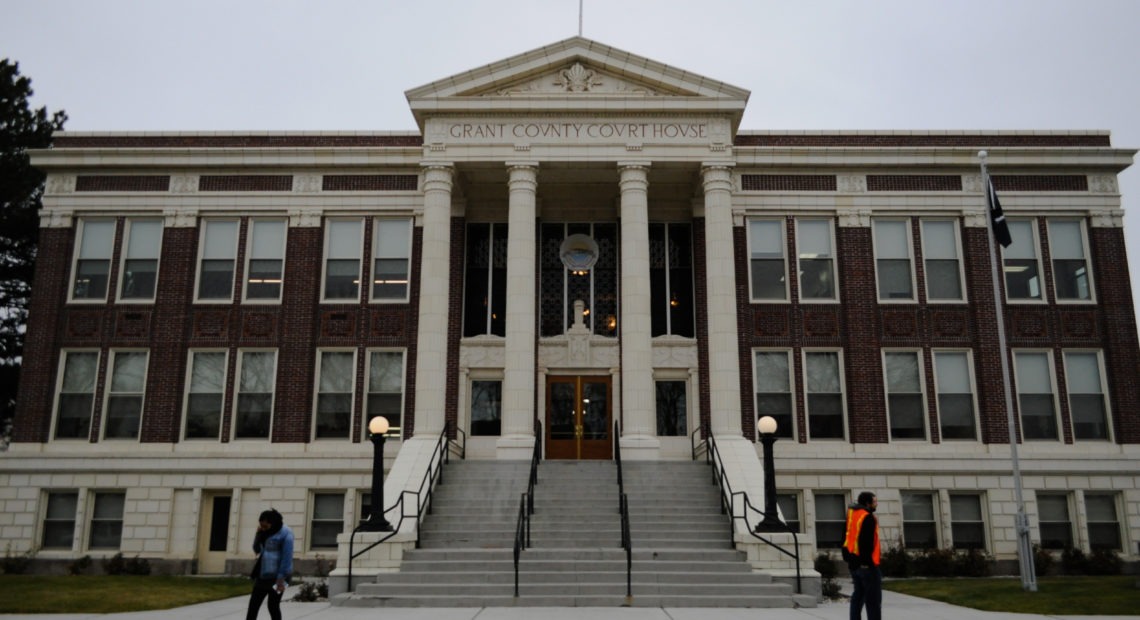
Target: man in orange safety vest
861,552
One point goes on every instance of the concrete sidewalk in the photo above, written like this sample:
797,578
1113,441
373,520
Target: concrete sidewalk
897,606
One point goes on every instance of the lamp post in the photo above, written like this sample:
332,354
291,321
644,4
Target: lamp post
376,522
771,521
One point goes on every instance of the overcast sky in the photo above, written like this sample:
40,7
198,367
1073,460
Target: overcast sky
117,65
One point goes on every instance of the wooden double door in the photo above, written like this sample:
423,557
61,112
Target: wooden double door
579,417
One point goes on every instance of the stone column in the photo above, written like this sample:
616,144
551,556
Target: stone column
435,268
720,278
638,438
517,438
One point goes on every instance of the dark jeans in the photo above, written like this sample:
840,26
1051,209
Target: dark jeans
868,591
261,589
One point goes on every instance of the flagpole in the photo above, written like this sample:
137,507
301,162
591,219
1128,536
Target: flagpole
1021,522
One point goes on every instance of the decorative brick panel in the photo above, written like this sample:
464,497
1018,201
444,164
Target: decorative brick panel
83,324
900,323
950,324
122,183
1078,324
246,183
283,141
210,324
132,324
1041,183
1028,323
258,325
788,182
337,323
914,183
896,140
821,322
771,324
369,182
389,324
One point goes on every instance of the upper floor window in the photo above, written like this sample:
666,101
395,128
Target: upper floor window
906,401
773,377
824,394
767,262
485,280
893,265
125,394
92,271
385,389
205,394
920,529
336,377
942,260
218,257
391,258
954,384
1069,253
1020,262
1087,403
343,239
967,526
1036,396
671,279
257,372
814,244
76,399
1054,520
265,256
140,260
560,286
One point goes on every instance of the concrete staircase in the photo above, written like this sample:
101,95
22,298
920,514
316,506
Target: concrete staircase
682,547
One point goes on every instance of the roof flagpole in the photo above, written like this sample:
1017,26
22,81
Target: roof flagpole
580,17
1021,523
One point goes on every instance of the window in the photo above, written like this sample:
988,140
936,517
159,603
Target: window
486,408
76,394
1087,403
1019,260
219,253
140,260
789,504
1054,521
265,269
830,520
769,272
919,528
941,259
205,395
93,260
336,377
672,408
125,395
905,398
1070,260
59,520
824,394
1104,525
485,299
892,260
107,521
1035,399
966,525
954,385
257,371
816,260
560,287
328,520
385,389
671,279
774,390
391,257
342,260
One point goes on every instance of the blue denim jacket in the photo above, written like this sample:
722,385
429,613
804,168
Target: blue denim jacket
276,555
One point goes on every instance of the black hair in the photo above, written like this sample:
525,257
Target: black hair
865,498
273,518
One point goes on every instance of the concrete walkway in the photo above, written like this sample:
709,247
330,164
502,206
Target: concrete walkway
895,606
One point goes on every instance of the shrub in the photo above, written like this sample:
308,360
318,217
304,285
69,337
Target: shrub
1043,561
1073,561
118,565
79,566
827,570
972,563
934,563
1103,562
896,562
311,591
17,564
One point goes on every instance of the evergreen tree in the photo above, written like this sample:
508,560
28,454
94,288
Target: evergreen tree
21,188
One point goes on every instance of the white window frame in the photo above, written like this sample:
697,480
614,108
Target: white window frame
830,259
235,412
317,393
407,256
791,361
909,238
922,393
313,520
964,296
972,377
128,231
204,227
1070,521
60,372
93,517
1085,250
1104,393
1051,372
76,257
781,224
842,392
249,258
191,354
44,518
325,258
935,515
108,392
983,510
1114,498
1036,247
395,431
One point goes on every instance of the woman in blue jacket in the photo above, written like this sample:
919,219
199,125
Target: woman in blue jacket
274,546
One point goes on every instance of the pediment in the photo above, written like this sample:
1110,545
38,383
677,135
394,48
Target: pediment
577,78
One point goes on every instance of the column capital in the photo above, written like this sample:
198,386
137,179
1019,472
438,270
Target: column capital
634,176
716,176
523,176
641,163
438,176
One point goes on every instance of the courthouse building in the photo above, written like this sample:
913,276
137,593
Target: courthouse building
575,237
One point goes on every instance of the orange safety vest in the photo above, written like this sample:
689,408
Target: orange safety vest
855,517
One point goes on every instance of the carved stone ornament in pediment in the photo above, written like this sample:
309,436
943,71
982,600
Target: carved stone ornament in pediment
577,78
852,183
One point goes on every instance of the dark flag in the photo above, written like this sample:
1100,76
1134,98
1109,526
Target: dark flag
1001,229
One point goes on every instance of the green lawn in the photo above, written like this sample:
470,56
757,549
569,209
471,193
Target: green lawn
36,594
1092,596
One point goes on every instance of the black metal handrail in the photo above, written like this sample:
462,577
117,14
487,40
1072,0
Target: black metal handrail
522,534
728,502
623,510
441,455
535,459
